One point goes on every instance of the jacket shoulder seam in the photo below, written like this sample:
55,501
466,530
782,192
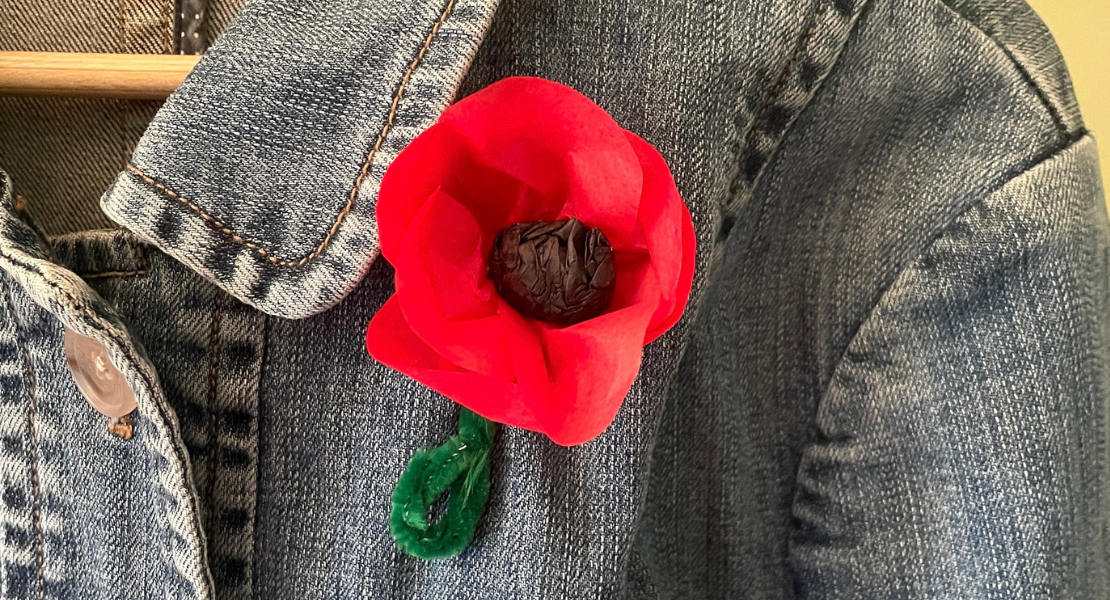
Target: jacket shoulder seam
984,15
1049,154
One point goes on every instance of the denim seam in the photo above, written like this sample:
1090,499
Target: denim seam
94,320
1048,155
351,196
213,444
647,581
142,270
776,90
1057,117
814,57
258,435
121,40
36,492
106,274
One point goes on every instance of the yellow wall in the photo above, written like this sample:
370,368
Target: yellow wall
1082,30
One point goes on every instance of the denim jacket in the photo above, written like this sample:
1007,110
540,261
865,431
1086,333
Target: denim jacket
892,379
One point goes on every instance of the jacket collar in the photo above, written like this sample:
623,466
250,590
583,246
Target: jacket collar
261,172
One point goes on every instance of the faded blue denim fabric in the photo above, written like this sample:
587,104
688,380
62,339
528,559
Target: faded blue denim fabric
892,380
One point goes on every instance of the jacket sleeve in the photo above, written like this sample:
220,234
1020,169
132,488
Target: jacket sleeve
963,444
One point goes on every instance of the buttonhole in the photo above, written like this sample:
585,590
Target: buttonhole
121,427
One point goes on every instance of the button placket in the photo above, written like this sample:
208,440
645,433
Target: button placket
172,510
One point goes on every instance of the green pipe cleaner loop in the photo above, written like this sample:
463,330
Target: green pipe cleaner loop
460,466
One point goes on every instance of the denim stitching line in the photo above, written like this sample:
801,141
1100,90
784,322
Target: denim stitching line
143,270
134,273
254,543
776,90
214,447
351,196
36,492
94,319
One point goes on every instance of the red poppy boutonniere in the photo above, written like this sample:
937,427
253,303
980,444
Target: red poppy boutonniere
537,247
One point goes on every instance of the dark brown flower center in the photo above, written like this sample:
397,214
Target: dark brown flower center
559,272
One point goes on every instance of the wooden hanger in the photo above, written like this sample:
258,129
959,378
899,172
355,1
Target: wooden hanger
152,76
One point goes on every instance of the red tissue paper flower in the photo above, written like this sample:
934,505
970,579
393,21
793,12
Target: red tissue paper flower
520,151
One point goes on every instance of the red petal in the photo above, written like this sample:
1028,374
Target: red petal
665,220
406,186
391,341
660,324
559,144
444,292
440,158
594,363
450,304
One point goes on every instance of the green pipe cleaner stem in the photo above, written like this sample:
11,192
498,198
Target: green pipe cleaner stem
461,468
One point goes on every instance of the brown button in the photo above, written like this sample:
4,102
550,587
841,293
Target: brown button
98,379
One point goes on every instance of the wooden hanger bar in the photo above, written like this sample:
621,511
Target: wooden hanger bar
152,76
